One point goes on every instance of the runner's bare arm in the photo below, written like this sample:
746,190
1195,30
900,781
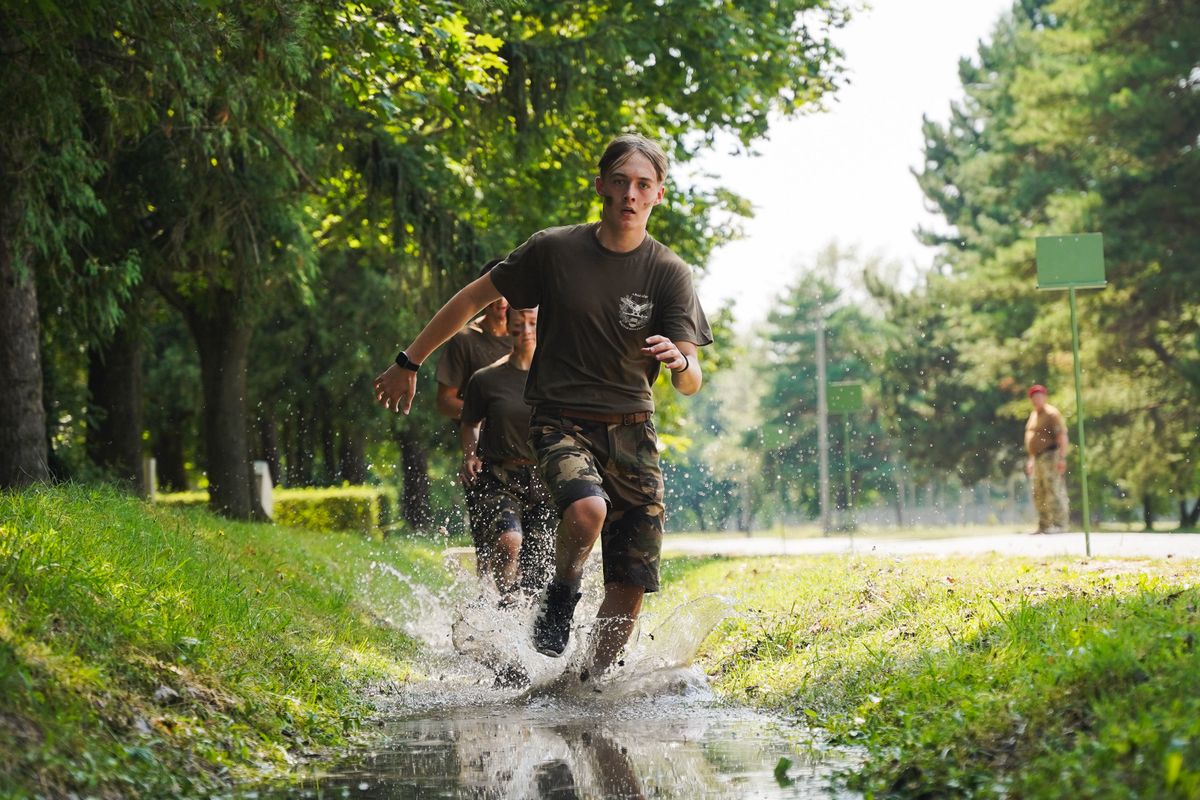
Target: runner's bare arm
675,356
395,386
468,436
449,404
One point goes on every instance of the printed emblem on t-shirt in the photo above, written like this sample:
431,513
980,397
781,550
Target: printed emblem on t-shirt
635,312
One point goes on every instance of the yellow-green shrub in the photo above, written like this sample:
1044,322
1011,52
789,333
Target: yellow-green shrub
344,508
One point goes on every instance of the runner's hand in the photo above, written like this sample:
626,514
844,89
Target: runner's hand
469,469
663,350
395,387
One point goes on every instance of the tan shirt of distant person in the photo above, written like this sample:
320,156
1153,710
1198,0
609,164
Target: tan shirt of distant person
1044,428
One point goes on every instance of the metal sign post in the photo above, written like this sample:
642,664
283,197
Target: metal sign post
1074,262
845,398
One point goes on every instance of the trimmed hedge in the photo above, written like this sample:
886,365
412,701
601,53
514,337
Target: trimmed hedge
365,509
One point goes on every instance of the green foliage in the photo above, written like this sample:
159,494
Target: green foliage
754,456
151,652
788,435
994,677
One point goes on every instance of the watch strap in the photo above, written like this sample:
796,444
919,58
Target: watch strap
405,362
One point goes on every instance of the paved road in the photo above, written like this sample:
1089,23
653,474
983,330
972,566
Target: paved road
1131,545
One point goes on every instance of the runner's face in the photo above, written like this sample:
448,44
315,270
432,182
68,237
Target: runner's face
522,326
630,191
1038,399
496,312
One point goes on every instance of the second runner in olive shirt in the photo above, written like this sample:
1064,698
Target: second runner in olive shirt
495,394
470,350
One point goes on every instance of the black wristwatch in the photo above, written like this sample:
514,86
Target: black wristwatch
407,363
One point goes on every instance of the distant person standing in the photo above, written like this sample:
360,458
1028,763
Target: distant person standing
1046,446
517,517
480,343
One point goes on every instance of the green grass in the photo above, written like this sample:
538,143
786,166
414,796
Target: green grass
984,677
155,652
148,651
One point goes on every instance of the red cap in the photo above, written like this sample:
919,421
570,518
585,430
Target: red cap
1037,387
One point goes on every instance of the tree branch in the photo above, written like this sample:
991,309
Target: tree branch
291,158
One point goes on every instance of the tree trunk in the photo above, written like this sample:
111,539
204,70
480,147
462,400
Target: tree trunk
223,340
744,512
415,458
269,442
300,452
23,446
169,458
1148,512
114,434
1189,519
354,456
698,510
329,445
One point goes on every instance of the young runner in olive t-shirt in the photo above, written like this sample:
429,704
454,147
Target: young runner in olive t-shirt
480,343
515,542
469,351
595,441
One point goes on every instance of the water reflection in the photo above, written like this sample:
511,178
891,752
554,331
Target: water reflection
683,746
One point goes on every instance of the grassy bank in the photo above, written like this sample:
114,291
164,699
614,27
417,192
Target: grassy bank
973,677
156,652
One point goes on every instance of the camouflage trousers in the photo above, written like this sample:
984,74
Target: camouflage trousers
581,458
511,497
1049,492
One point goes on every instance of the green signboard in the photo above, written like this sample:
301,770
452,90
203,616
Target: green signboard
845,397
1070,261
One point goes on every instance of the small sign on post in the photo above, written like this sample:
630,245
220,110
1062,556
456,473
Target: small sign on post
845,397
1071,262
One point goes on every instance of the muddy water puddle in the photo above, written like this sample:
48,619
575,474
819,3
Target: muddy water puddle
683,746
651,728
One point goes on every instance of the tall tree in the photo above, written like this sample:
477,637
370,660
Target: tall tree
788,436
44,202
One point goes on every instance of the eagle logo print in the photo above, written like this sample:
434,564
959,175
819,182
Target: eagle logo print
635,312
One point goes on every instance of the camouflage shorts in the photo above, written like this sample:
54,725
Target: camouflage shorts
511,497
581,458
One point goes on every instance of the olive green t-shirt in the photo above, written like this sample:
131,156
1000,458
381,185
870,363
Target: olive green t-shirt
495,395
467,352
595,310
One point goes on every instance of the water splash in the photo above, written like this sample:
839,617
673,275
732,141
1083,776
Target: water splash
474,639
650,727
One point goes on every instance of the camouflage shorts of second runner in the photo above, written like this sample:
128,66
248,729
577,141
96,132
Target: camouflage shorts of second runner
581,458
512,497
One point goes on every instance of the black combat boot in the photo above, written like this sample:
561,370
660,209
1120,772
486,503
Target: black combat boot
552,626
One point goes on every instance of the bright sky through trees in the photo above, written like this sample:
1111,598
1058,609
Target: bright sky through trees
845,174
